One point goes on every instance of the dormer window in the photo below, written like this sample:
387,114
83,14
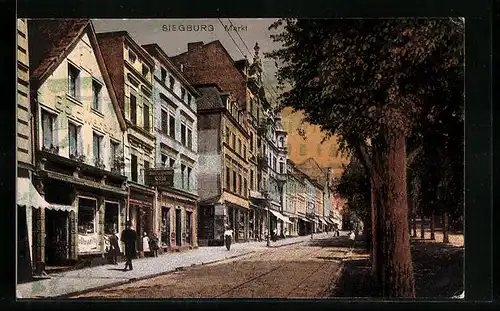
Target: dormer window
132,57
145,70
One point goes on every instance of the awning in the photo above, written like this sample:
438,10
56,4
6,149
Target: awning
27,196
303,219
323,221
280,216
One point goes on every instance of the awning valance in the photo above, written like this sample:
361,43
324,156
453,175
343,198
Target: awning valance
28,196
280,216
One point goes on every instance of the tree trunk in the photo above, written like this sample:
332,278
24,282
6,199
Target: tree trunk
433,227
367,230
445,229
414,225
422,227
376,254
393,240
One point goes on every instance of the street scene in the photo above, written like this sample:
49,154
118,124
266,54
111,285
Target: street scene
240,158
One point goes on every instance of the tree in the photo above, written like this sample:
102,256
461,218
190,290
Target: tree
367,81
354,186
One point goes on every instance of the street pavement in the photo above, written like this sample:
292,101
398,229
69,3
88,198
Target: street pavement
82,280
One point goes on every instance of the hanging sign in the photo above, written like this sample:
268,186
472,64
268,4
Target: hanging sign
160,177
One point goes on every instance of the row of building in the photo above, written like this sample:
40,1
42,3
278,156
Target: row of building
110,130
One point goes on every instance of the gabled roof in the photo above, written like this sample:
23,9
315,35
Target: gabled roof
51,41
312,169
131,41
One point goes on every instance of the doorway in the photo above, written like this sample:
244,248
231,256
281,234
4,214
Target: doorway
178,226
56,237
24,270
165,226
188,227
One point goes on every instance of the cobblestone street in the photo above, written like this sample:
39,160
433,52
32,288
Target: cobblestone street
306,270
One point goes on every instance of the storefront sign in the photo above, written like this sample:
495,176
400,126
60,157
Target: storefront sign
88,243
160,177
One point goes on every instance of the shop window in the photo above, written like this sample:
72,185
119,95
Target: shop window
87,212
165,228
111,218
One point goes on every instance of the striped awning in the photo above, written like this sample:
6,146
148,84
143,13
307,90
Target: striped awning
280,216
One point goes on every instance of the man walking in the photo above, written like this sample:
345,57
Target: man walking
129,237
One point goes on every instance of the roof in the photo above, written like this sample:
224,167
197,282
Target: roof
210,97
51,40
155,50
131,41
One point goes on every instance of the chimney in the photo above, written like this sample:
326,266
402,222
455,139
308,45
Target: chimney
195,46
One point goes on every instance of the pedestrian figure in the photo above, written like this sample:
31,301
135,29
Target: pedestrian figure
129,237
145,244
114,248
153,244
228,236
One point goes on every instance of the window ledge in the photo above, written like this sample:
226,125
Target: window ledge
97,112
74,99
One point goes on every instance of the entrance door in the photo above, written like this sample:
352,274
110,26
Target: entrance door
188,228
165,226
23,250
57,237
178,227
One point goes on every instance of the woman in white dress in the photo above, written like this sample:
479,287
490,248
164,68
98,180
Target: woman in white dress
145,244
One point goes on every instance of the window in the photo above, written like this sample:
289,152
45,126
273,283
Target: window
189,138
133,109
145,70
239,146
282,142
234,142
164,160
245,187
228,176
97,139
73,139
274,163
282,168
227,135
183,134
172,162
189,99
146,166
164,122
172,82
251,180
171,126
114,151
239,184
183,93
96,95
245,152
251,141
234,181
131,56
87,210
48,129
111,218
133,167
146,116
183,168
163,75
189,178
74,81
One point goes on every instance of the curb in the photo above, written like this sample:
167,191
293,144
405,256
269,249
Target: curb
150,276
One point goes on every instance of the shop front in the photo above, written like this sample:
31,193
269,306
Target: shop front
85,204
178,218
141,212
238,220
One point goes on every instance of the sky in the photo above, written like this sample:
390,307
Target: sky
173,35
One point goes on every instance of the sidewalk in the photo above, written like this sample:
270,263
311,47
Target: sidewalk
76,281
